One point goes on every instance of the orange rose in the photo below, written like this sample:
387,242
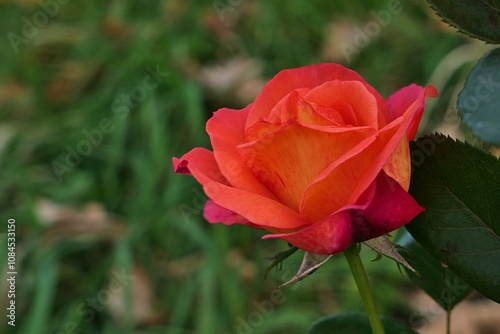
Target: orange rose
320,159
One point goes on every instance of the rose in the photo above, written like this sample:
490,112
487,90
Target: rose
320,159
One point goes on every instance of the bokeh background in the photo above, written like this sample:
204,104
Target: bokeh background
96,97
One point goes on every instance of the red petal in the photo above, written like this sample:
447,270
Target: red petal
353,93
343,109
281,111
294,156
258,209
309,113
398,166
343,182
294,106
329,236
214,213
226,129
383,208
180,166
409,97
304,77
349,176
391,208
204,162
259,130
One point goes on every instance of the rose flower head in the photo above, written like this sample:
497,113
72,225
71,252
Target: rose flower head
319,159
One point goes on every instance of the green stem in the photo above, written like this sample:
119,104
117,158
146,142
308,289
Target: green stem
352,256
448,305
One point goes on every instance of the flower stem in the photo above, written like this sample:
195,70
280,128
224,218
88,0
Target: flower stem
352,256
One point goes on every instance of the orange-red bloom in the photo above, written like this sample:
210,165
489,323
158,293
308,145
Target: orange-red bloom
320,159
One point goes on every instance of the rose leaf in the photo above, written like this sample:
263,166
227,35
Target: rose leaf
459,187
436,279
476,18
479,99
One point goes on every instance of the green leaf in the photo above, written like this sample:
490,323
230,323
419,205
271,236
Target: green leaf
479,99
352,322
476,18
459,186
438,281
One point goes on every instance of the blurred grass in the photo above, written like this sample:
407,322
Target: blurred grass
203,279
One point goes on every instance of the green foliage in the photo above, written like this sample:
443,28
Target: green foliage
460,225
436,279
479,19
479,99
351,322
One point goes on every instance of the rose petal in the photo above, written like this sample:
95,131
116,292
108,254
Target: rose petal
391,208
214,213
399,102
279,113
330,114
343,109
253,207
348,177
204,162
344,181
304,77
291,158
329,236
384,207
410,119
294,106
306,112
353,93
259,130
398,166
226,130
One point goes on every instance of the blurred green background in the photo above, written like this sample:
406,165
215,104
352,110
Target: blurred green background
97,97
